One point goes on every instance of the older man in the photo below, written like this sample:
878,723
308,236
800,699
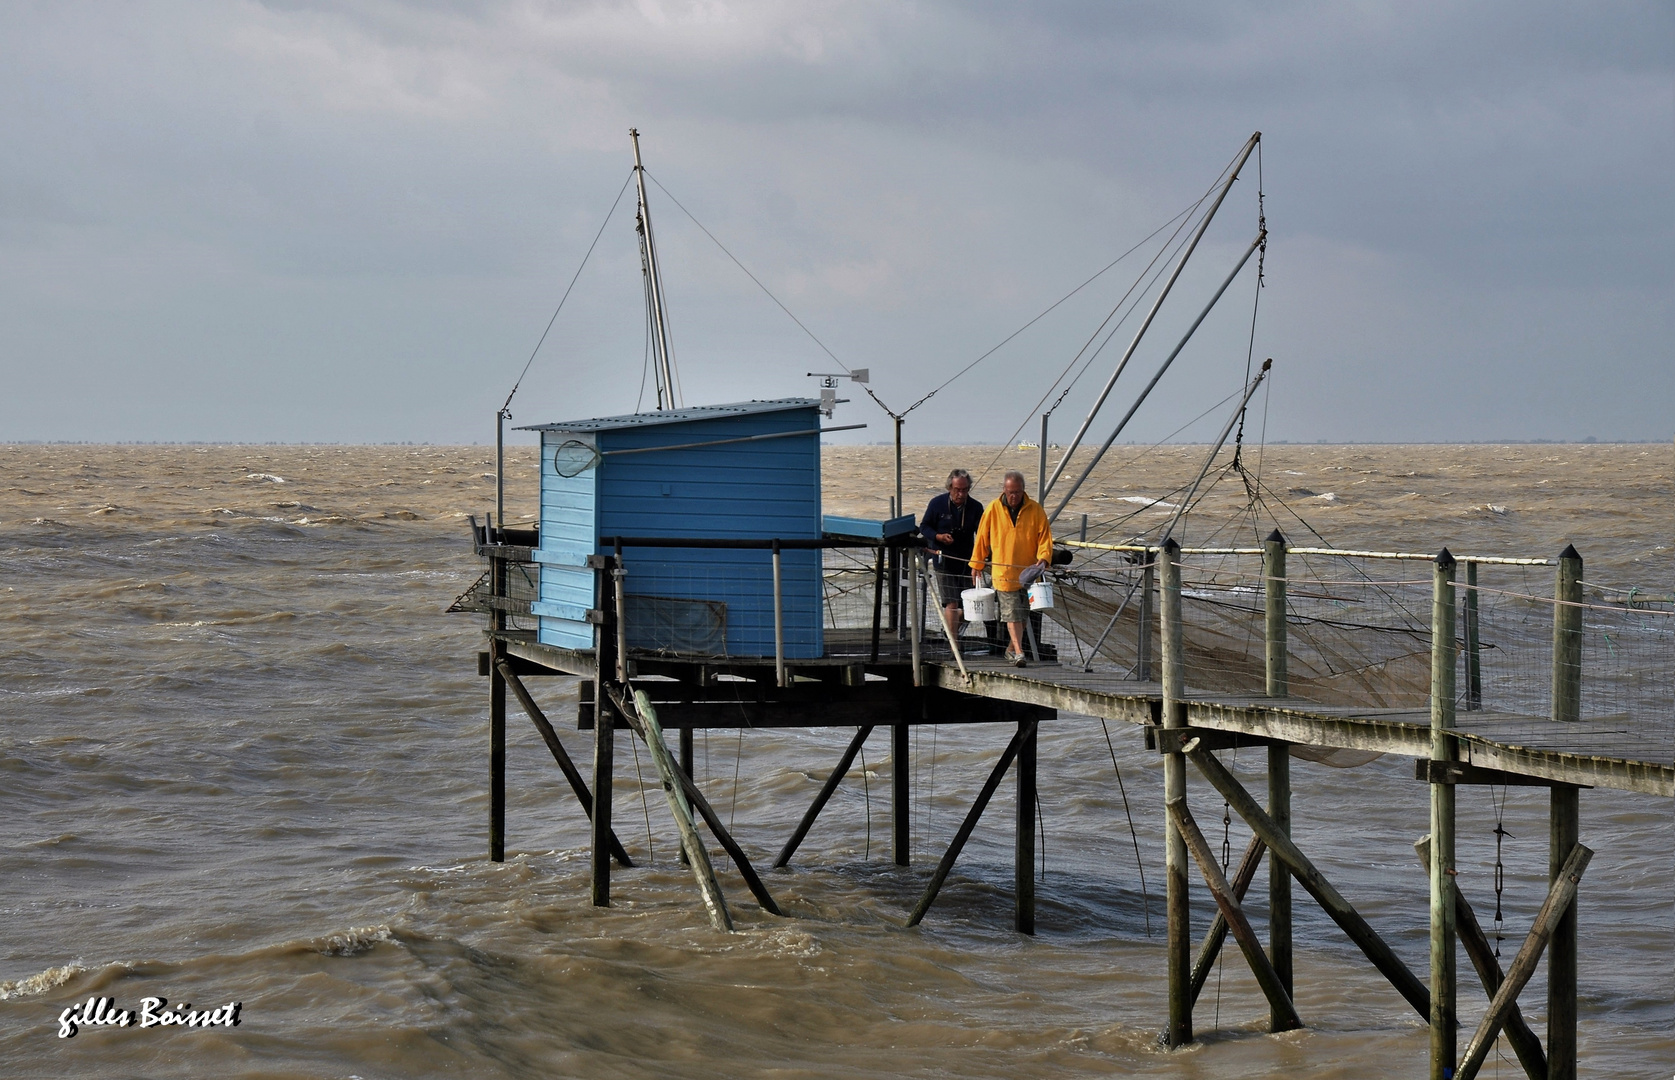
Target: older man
949,528
1012,537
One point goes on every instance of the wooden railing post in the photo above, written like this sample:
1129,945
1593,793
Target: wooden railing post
1279,766
1179,1029
1565,819
1474,645
1444,1045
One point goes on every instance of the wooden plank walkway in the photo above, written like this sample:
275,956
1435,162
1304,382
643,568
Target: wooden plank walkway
1609,752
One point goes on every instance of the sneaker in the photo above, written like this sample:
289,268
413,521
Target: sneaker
1019,661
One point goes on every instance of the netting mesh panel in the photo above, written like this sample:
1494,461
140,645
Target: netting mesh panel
1359,634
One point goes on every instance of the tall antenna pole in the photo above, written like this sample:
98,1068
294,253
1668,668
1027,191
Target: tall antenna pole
1244,155
654,288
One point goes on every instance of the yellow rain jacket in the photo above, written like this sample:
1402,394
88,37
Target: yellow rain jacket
1012,547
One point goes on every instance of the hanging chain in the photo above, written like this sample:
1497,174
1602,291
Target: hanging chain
1500,869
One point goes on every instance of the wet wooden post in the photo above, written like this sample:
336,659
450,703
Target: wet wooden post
1444,1045
1023,862
1279,765
1565,819
900,773
1474,649
497,713
1179,1030
604,723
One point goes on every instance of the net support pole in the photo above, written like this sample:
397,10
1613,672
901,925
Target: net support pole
1279,767
1179,1029
1564,819
1444,657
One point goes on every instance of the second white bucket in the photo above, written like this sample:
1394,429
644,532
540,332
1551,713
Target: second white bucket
980,605
1041,596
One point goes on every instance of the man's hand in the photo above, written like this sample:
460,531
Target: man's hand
945,538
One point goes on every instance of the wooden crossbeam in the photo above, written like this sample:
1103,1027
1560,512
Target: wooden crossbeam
1217,933
1331,901
1266,977
1559,899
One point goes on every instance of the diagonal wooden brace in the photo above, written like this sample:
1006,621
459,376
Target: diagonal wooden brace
1559,899
826,791
1331,901
946,866
550,737
644,723
1210,948
1470,932
1260,965
696,798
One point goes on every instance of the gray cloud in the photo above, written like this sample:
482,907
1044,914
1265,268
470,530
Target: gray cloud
350,221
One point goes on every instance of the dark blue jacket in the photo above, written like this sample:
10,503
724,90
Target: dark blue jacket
942,517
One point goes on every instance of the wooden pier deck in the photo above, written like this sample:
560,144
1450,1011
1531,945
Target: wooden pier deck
1606,753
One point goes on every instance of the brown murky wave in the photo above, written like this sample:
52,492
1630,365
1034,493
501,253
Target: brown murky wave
243,757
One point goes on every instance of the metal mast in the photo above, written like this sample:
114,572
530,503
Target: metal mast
662,363
1244,155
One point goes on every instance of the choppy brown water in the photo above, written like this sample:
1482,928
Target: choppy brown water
244,758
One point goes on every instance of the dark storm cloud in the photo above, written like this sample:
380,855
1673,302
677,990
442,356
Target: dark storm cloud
349,221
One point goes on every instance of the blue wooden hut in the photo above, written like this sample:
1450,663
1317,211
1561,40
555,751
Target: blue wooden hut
749,470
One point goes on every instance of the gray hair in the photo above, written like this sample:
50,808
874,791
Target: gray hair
1014,474
957,474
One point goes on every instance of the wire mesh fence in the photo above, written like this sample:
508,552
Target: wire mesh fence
1358,631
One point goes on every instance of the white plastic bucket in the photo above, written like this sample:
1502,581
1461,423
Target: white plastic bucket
1041,596
980,605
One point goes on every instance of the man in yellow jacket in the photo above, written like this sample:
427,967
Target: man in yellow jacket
1014,536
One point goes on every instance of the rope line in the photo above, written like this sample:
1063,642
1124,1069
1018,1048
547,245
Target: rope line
617,201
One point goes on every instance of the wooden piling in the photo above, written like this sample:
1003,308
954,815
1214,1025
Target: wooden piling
497,713
1023,851
1278,685
901,771
497,756
604,649
1564,819
1444,1045
1279,1001
1178,1031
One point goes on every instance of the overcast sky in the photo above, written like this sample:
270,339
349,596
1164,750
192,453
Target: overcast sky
351,221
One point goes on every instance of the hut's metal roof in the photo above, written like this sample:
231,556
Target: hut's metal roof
677,416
